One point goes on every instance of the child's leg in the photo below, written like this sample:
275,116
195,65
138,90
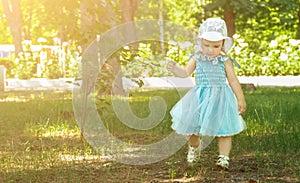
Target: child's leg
193,153
225,145
224,150
194,141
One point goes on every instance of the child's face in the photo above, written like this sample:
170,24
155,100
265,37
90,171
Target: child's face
212,48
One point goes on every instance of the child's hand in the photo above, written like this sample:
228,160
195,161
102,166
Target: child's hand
171,65
242,106
177,70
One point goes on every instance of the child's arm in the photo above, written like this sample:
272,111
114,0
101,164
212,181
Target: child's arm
180,71
235,86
